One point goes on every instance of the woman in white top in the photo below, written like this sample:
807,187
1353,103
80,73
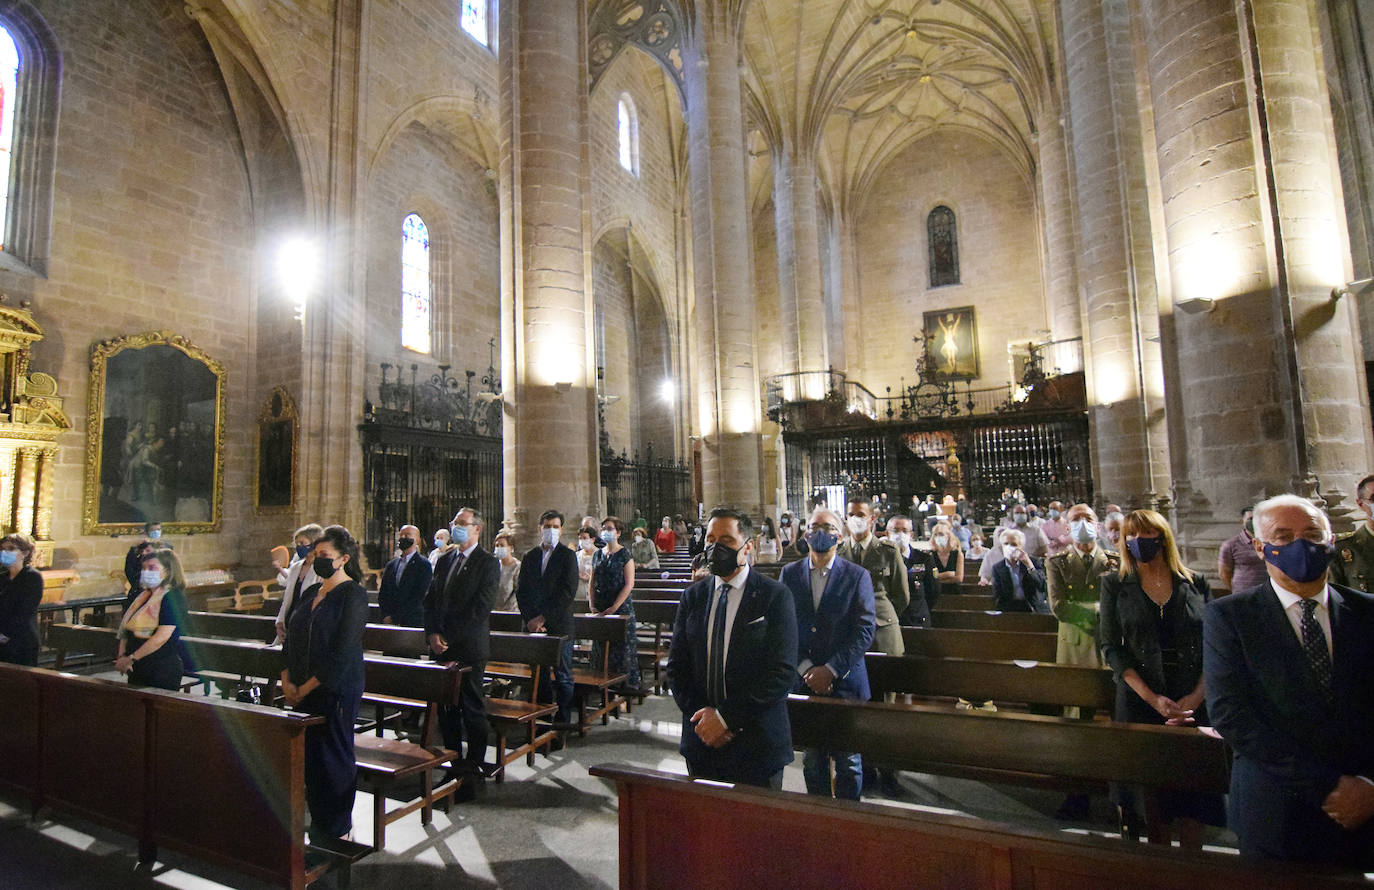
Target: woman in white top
504,551
586,550
643,551
441,546
299,575
769,549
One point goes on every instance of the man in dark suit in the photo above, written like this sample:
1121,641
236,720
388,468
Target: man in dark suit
405,582
835,624
920,576
732,661
458,628
1288,667
544,592
1018,580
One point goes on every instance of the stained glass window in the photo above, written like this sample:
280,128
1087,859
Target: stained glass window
9,81
415,296
474,20
628,123
944,247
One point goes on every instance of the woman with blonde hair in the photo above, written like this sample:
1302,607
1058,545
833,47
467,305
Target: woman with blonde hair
1151,635
150,631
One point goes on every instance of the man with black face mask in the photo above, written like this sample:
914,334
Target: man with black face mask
732,662
401,599
1287,667
1354,562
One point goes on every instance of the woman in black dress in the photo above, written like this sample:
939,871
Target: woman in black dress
946,562
21,590
1151,635
613,578
323,651
149,650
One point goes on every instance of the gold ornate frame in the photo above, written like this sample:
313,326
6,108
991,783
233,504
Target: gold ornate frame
265,416
101,353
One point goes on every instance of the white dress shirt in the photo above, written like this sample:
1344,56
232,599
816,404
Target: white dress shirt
736,595
819,578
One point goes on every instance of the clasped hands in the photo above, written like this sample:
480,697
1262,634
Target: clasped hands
124,664
291,692
437,644
820,679
1177,713
1351,803
711,728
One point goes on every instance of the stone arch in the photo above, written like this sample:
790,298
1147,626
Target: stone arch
459,118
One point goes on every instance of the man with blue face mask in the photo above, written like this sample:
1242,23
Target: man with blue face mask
1287,667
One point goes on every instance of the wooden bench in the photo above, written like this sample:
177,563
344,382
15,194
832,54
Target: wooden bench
962,602
592,680
95,645
159,760
994,645
661,614
1017,622
383,763
1000,681
50,613
770,837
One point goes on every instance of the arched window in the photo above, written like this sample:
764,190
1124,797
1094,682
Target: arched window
474,19
416,302
628,129
944,247
29,75
9,93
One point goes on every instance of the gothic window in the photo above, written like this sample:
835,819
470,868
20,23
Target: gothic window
474,19
416,302
29,72
628,129
944,247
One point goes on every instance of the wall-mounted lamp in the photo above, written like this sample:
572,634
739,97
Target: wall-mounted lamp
1196,306
1363,286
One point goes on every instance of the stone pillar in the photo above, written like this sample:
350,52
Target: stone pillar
1111,358
729,413
1056,221
550,429
800,283
1268,364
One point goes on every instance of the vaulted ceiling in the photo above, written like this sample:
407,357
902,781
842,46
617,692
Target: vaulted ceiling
853,82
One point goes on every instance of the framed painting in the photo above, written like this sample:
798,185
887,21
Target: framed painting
951,337
154,436
276,452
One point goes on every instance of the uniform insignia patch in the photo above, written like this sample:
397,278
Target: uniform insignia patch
1348,554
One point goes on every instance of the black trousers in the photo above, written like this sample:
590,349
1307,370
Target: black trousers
467,720
159,670
331,770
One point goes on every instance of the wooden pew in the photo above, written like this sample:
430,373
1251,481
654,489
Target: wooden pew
158,761
383,763
999,681
994,645
964,602
1017,622
661,614
592,680
776,833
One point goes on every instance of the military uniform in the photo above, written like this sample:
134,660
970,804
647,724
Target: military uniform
1074,591
1353,565
890,592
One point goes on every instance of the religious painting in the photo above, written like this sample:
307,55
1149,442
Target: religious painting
952,343
154,436
276,453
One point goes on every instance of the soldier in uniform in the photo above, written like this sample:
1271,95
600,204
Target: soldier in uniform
891,595
1353,564
1074,578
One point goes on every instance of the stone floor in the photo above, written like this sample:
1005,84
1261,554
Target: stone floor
550,825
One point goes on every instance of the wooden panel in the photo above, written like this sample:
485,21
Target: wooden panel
656,611
1003,681
993,645
221,624
19,739
1015,622
93,735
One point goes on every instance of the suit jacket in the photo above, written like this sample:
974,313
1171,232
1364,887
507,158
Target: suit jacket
549,592
402,599
890,592
924,586
1032,585
839,632
1074,588
459,607
1290,747
759,670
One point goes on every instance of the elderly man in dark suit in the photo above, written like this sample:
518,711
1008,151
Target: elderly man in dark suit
1018,581
732,661
544,592
458,628
405,582
835,625
1287,667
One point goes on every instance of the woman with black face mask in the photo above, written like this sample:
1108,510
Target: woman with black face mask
1150,629
323,652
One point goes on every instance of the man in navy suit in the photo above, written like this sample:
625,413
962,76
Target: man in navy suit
544,592
1018,580
1288,667
835,626
405,582
732,661
458,628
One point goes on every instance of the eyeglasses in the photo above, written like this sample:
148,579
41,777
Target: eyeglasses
825,527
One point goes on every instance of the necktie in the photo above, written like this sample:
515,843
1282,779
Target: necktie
457,565
1314,647
1088,563
716,671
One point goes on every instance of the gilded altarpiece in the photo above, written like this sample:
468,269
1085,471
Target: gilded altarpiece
31,419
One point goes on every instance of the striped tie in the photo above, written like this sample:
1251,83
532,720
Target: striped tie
716,671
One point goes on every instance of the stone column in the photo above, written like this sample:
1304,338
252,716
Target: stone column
1268,364
1056,221
1111,359
729,413
550,435
800,283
